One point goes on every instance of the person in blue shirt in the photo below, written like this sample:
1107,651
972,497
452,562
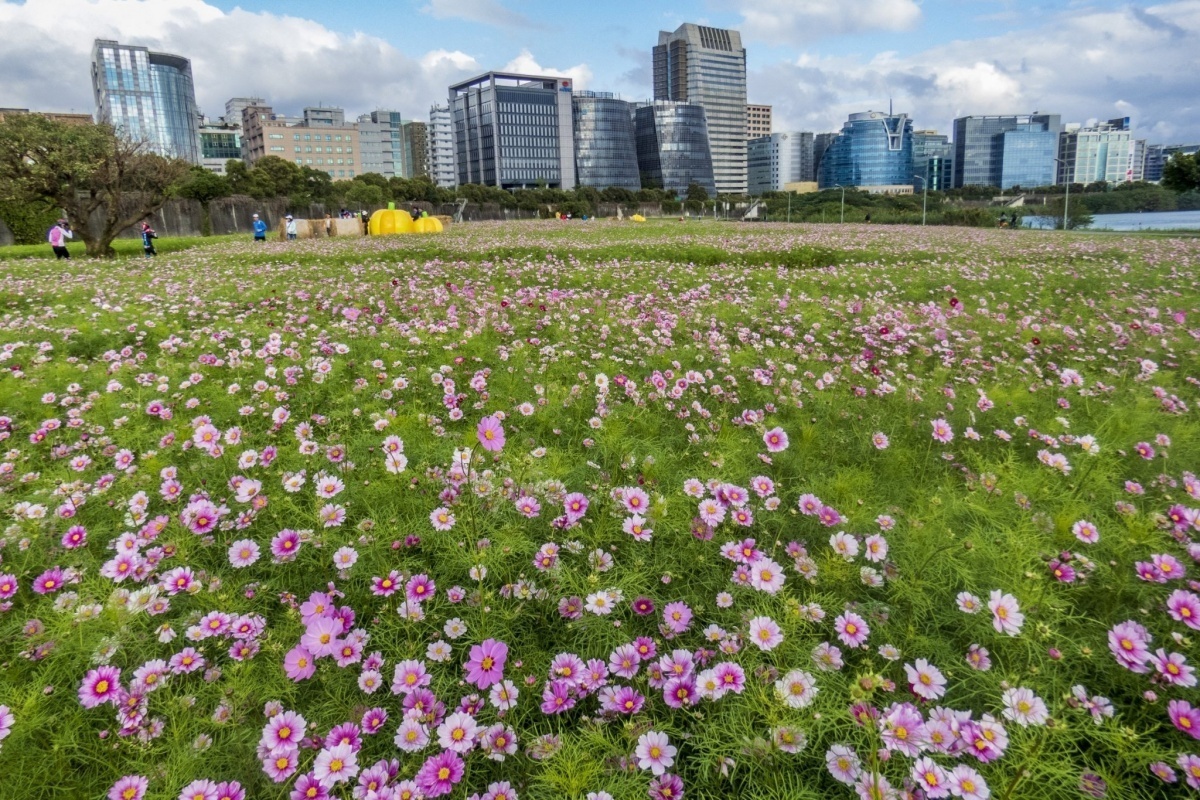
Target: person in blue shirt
260,229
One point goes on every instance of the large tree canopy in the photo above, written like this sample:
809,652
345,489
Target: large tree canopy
89,171
1182,173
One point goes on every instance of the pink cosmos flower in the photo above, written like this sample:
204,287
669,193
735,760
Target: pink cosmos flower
635,500
130,787
243,553
1182,606
385,586
925,680
677,617
439,774
829,516
202,789
457,733
575,505
1086,532
843,763
285,545
776,440
441,519
1128,641
284,731
420,588
100,685
8,585
655,752
49,581
335,765
942,432
490,433
851,629
968,784
931,778
76,536
1185,717
623,700
486,664
765,633
1006,613
766,576
1190,764
299,664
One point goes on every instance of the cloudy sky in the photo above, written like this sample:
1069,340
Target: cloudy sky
815,60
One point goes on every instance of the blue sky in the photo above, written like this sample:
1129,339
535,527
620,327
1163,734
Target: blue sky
815,61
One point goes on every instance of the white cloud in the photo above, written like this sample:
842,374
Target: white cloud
487,12
525,63
791,21
290,61
1081,64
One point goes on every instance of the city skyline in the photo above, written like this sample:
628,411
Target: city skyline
814,63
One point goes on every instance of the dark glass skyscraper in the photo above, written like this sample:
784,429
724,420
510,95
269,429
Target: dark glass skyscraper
672,147
707,66
875,149
147,97
605,146
979,149
513,131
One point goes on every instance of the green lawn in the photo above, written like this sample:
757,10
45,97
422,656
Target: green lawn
126,248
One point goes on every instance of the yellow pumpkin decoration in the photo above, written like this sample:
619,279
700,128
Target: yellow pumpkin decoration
390,220
428,225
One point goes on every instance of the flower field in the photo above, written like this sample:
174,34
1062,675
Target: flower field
583,510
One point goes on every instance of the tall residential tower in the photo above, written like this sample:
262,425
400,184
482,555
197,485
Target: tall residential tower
707,67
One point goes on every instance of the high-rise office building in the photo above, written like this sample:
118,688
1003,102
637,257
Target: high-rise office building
673,147
383,150
1157,155
821,142
707,67
415,136
147,97
605,147
441,148
234,107
1107,151
779,159
873,152
980,147
758,121
514,131
929,145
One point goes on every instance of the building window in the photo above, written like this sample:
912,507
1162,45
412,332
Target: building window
275,136
276,148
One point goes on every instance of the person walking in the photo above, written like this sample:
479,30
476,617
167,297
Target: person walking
58,236
290,227
148,237
328,224
260,229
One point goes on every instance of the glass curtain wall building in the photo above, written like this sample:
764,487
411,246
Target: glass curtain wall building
672,147
930,146
779,159
875,149
514,131
147,97
1028,159
979,148
605,147
707,66
381,144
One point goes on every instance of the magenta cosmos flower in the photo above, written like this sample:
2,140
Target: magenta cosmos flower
100,685
851,629
486,665
131,787
1185,717
438,775
490,433
49,581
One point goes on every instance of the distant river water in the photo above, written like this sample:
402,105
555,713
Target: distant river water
1144,221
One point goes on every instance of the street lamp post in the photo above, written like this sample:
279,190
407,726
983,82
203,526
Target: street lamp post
1066,197
843,188
924,194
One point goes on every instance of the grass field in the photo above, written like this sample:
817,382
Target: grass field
601,510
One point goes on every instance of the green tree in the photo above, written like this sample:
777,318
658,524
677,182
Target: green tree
276,177
696,193
1078,215
364,196
203,185
94,175
1182,173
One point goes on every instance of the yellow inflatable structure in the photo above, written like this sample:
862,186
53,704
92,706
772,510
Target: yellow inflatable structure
392,220
638,218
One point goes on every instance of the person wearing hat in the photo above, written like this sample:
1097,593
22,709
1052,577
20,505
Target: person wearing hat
58,236
260,229
290,227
